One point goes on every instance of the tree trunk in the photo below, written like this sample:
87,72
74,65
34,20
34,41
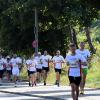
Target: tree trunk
73,37
92,49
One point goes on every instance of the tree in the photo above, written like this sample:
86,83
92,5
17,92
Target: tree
89,13
73,37
55,19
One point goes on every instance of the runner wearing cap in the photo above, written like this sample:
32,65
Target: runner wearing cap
58,60
31,65
84,52
74,61
8,68
39,66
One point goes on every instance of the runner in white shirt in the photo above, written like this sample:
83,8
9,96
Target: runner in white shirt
74,61
27,62
39,66
19,62
58,60
19,59
15,68
8,68
84,52
2,63
31,65
45,65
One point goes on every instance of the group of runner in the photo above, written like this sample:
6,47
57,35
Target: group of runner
38,67
40,64
11,67
77,60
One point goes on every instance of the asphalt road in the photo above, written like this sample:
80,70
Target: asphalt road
40,92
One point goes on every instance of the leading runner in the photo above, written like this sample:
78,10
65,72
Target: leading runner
74,61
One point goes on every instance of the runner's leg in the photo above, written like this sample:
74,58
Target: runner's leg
32,79
45,76
73,91
15,79
83,81
77,92
38,77
58,77
35,76
81,84
8,75
29,77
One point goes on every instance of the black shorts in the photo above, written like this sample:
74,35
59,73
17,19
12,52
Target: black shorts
39,70
46,69
58,70
4,70
9,72
28,72
1,73
75,80
31,72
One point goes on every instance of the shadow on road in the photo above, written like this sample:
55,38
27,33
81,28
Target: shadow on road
57,97
37,93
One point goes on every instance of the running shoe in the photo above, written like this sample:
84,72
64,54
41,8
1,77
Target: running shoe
29,84
35,83
82,92
15,85
58,84
44,83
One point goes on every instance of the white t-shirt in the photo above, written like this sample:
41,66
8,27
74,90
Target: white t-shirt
14,63
2,62
85,53
8,65
73,61
31,65
45,60
58,61
39,62
27,63
19,61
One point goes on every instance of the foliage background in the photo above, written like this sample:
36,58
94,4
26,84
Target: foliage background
60,22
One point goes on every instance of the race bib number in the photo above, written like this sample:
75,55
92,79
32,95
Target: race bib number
73,64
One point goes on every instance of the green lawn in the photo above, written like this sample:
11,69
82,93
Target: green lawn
93,79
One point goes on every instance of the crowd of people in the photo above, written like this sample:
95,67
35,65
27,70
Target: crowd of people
38,67
11,66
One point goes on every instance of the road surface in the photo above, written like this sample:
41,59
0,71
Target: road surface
40,92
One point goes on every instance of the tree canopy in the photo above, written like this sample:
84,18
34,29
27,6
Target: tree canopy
56,20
